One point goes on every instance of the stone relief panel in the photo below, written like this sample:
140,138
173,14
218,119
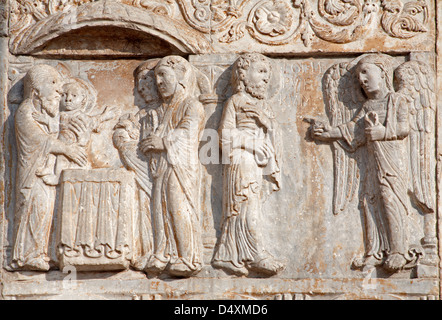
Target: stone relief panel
390,122
226,26
206,167
149,148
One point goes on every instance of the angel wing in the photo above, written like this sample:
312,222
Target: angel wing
415,80
342,101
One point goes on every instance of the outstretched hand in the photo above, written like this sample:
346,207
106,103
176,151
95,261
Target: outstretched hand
319,130
77,154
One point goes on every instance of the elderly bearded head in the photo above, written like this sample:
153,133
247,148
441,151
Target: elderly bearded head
44,84
252,74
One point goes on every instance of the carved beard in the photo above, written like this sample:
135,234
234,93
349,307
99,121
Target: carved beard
256,90
50,106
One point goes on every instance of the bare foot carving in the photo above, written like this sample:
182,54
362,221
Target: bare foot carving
268,266
37,264
366,261
155,265
181,269
230,268
395,262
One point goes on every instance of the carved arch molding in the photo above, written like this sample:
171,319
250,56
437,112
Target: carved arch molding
30,38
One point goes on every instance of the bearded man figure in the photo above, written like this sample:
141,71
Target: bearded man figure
35,200
249,135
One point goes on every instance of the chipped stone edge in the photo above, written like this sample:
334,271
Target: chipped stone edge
4,54
198,287
438,49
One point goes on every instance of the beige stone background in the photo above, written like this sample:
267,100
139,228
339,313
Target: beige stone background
104,41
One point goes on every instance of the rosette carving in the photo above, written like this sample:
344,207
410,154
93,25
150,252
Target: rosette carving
274,22
270,22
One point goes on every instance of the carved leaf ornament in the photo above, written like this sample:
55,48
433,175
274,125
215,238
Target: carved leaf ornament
271,22
404,20
338,21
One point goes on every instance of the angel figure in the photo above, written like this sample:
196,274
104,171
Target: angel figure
393,128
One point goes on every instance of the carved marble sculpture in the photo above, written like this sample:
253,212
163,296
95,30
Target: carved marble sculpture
176,175
128,132
381,123
249,139
76,123
90,211
36,141
95,219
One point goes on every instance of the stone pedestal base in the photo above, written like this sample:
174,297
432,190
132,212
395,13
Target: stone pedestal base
134,285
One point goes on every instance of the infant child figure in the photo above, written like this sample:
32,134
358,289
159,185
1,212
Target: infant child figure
76,125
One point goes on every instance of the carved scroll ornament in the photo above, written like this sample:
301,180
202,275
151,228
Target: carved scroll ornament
404,20
337,21
270,22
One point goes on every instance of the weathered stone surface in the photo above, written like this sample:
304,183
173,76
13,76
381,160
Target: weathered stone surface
220,149
4,18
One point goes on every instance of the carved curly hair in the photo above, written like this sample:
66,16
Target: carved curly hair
242,64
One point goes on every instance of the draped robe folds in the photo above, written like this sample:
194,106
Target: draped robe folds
34,199
175,213
145,121
244,181
385,182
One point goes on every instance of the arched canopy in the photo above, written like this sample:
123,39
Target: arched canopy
103,14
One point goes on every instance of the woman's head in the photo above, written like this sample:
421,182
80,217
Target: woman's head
145,80
172,74
375,74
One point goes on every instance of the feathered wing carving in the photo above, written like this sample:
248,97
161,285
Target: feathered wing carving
342,101
415,80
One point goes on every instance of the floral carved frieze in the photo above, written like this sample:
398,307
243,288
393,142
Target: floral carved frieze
269,22
336,21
